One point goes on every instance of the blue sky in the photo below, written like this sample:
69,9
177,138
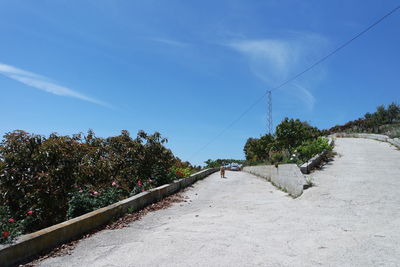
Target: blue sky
189,68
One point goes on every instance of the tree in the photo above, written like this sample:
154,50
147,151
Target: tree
291,133
257,149
381,115
368,116
372,122
393,112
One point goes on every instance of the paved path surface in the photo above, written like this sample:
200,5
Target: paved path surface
351,218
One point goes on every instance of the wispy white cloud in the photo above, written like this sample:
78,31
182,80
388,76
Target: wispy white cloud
274,60
169,42
43,83
271,60
304,95
275,53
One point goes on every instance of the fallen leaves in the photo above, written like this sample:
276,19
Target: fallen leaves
124,221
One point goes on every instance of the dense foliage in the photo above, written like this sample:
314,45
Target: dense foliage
210,163
310,148
257,149
290,135
385,120
45,180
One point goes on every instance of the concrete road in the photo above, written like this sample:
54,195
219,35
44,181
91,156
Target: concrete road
350,218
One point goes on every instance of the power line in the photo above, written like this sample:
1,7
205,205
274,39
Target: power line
229,126
292,79
336,50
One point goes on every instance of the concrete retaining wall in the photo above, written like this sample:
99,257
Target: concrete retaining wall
315,161
378,137
33,244
286,176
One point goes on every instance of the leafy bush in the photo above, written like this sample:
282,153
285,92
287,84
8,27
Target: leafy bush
36,176
277,157
143,186
181,172
83,200
12,226
292,133
257,149
310,148
186,164
42,174
9,226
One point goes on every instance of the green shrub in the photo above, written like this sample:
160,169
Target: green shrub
257,149
41,174
292,133
10,226
83,200
270,149
278,157
180,172
37,175
142,186
310,148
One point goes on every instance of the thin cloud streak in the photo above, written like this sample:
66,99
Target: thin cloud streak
43,83
169,42
306,96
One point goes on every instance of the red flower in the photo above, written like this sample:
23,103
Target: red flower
29,212
142,190
80,191
95,193
5,234
139,183
11,220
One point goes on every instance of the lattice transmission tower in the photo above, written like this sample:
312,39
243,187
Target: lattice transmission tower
269,115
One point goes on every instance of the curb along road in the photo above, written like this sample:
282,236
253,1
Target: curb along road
32,244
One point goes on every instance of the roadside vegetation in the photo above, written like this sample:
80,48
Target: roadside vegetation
294,141
210,163
385,120
47,180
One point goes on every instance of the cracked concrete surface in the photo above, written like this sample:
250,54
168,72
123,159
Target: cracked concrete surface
350,218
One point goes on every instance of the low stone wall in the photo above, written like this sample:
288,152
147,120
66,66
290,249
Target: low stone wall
378,137
314,161
287,177
35,243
